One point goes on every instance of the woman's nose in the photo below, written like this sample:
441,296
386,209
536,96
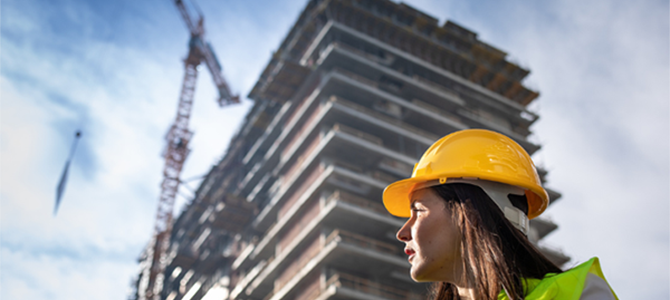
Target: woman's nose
404,234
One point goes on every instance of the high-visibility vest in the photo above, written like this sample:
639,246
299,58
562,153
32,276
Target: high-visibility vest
566,285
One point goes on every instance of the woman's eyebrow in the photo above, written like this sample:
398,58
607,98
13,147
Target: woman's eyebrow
413,204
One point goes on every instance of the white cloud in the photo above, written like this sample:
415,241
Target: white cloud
61,277
114,94
123,95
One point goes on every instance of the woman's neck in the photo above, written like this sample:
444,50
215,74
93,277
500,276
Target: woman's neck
466,289
466,293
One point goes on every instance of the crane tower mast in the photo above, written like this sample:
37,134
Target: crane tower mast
176,151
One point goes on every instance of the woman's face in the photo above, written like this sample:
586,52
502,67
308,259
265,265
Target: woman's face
432,240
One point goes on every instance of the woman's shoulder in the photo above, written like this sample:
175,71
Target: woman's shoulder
583,282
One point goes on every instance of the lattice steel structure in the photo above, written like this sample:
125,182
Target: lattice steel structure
154,259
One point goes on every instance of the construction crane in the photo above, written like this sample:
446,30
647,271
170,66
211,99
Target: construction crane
176,150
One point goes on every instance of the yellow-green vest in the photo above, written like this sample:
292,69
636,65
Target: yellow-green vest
566,285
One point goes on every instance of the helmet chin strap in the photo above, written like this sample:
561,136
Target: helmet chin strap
497,191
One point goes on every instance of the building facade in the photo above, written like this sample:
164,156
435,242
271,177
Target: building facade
355,94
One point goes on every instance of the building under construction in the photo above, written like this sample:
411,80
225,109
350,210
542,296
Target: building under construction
355,94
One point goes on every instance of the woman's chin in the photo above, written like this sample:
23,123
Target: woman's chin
418,276
423,275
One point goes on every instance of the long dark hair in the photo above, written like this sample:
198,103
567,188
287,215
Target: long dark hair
496,255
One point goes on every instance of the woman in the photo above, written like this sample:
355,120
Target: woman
468,202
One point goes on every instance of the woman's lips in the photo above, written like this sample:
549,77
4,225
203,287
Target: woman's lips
411,253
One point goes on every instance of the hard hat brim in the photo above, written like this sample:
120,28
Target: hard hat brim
396,196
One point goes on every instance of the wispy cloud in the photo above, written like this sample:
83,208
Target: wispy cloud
114,70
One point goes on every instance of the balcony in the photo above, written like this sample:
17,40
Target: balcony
377,118
308,118
338,209
342,85
401,59
339,55
346,286
339,142
351,252
270,133
271,155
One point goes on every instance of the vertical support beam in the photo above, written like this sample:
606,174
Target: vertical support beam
175,153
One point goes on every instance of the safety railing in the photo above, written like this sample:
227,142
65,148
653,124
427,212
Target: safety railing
355,132
344,280
361,241
306,255
356,77
298,162
339,195
376,58
386,60
303,186
299,225
437,110
311,292
383,177
435,85
298,136
381,116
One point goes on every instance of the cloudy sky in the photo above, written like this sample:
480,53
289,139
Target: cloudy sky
113,69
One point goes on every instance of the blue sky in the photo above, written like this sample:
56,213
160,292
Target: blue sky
113,69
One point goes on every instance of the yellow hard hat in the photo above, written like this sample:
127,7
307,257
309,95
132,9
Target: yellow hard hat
471,154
